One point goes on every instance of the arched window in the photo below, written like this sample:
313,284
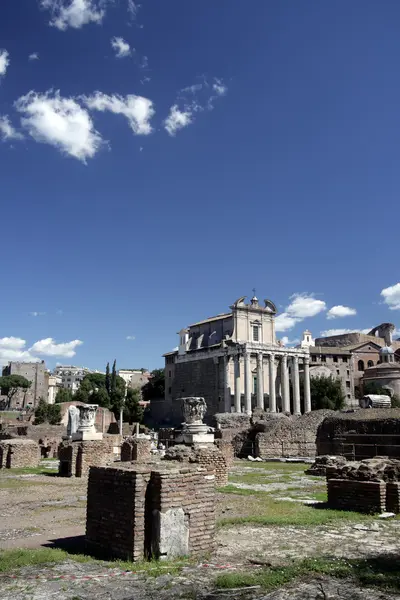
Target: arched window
370,363
361,365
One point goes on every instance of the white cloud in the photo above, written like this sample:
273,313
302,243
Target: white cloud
13,348
219,87
137,109
391,296
33,56
301,307
305,305
48,347
60,122
35,313
284,321
12,343
121,47
177,119
8,131
130,337
286,342
340,311
4,62
74,13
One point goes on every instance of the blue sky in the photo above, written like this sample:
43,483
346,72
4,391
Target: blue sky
159,161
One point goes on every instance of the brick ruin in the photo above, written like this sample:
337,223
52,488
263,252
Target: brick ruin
136,448
164,510
77,457
19,453
368,486
209,457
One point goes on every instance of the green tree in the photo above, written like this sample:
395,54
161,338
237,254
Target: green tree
373,388
93,390
41,412
326,392
133,412
47,413
155,388
113,382
108,379
10,384
64,395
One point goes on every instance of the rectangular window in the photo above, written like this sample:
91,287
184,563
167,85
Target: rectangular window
335,359
337,372
314,358
323,358
169,373
255,333
69,379
348,384
344,359
348,395
348,373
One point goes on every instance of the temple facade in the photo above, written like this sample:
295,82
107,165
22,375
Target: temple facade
234,361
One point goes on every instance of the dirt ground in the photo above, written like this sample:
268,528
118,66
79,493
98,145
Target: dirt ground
41,510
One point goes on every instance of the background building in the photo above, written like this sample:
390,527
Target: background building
234,361
348,356
71,376
36,373
134,378
54,384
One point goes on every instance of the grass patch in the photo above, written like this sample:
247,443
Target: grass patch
281,512
30,471
382,572
273,466
10,560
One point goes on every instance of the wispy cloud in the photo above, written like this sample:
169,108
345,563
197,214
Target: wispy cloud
121,47
177,119
8,131
36,313
192,99
131,337
4,62
33,56
61,122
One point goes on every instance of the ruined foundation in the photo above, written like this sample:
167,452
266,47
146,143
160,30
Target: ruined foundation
77,457
161,511
136,448
18,454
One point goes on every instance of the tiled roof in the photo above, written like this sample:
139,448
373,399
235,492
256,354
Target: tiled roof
210,319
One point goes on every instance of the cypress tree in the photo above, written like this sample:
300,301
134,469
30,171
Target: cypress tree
108,381
114,377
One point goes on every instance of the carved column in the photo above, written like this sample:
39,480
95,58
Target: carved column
285,385
238,391
272,392
307,391
227,389
296,386
247,382
260,381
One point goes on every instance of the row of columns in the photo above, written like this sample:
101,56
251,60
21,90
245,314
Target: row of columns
285,386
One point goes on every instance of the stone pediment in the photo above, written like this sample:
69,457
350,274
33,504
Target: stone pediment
366,347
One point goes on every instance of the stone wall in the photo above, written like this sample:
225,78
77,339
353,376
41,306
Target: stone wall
17,453
227,451
77,457
363,434
134,448
361,496
150,511
288,436
393,497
